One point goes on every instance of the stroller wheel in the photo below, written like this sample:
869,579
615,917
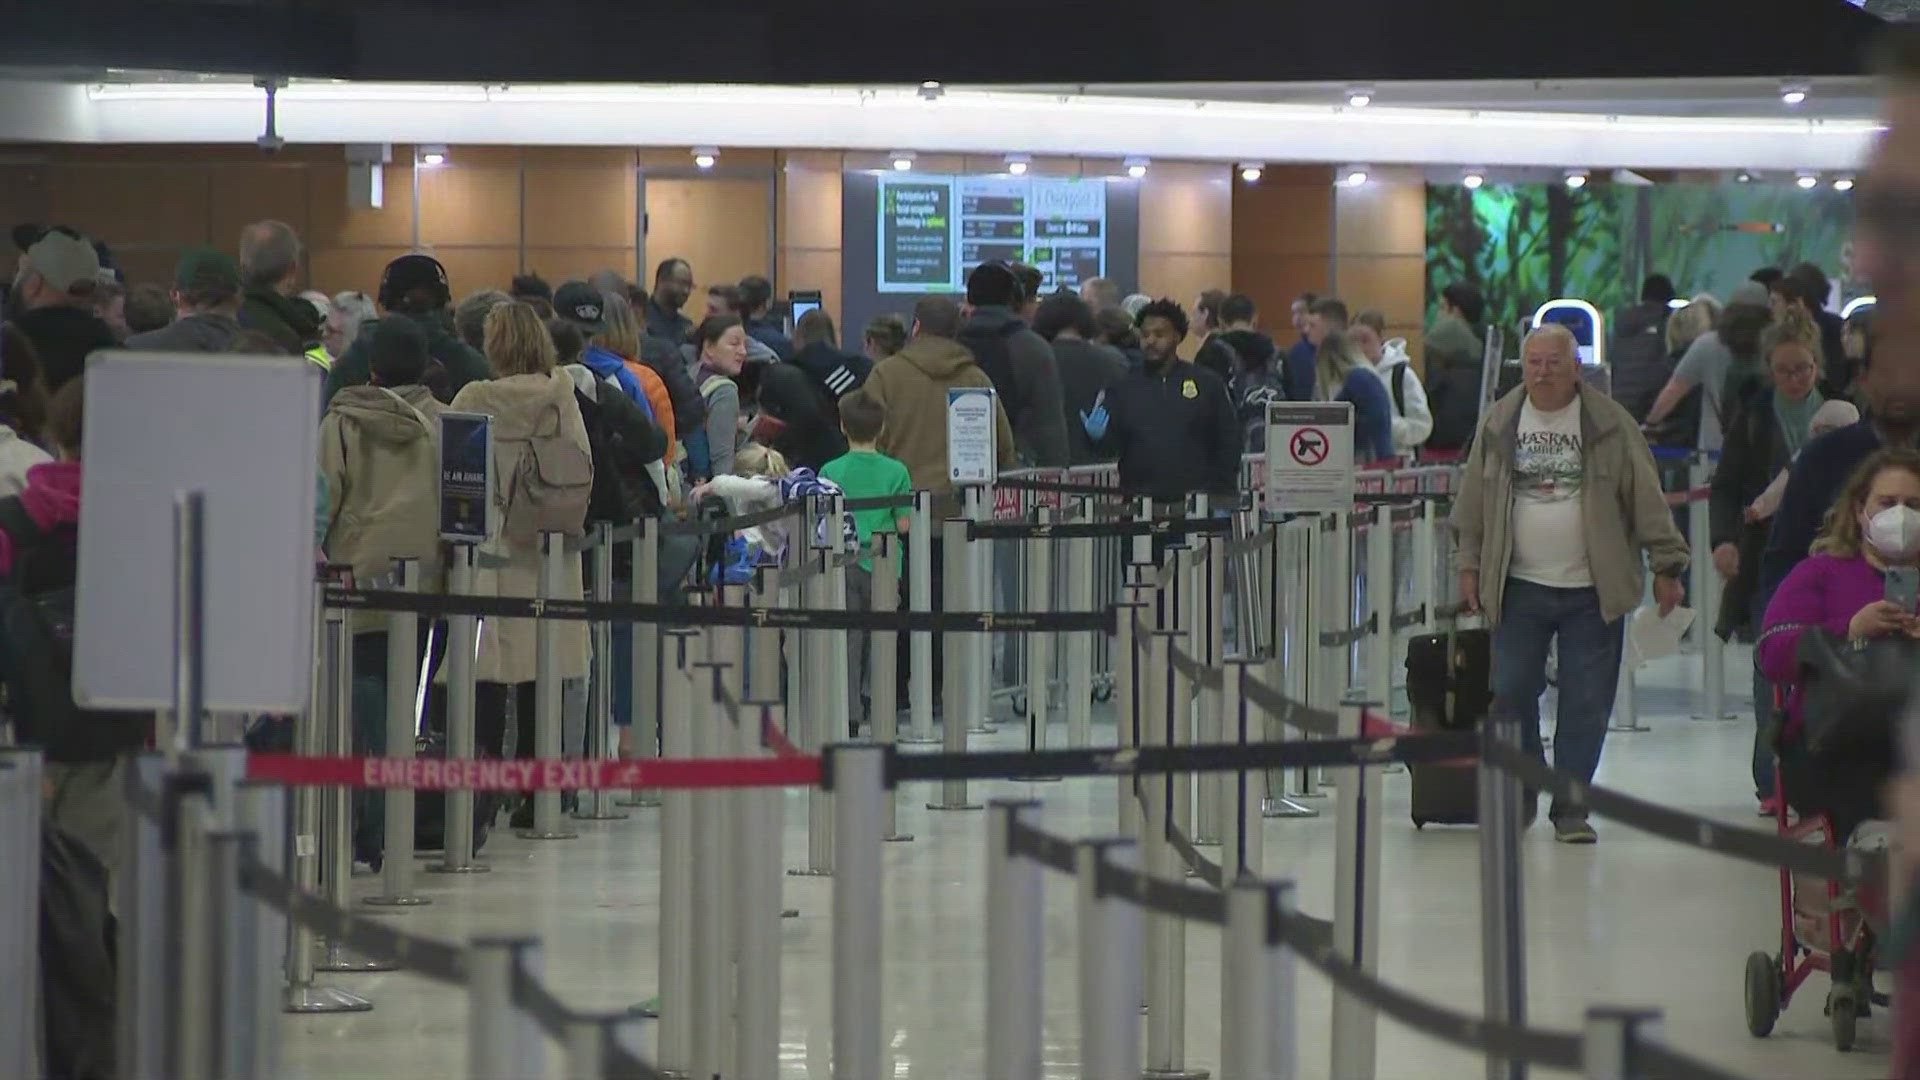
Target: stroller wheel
1763,994
1844,1013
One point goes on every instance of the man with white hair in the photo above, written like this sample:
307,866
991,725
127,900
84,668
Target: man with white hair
1558,504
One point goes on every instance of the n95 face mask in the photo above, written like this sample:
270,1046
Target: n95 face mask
1895,532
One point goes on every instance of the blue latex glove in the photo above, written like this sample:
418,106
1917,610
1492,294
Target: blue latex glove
1094,422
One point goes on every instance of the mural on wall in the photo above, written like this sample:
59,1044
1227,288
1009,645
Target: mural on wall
1524,244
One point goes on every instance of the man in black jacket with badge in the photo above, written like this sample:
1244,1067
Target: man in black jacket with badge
1171,423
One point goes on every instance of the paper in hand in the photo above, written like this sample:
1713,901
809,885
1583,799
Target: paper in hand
1650,637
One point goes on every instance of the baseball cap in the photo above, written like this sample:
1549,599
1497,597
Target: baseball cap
203,269
411,272
66,263
580,304
1750,292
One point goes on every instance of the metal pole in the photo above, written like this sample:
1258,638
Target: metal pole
1108,964
140,904
1611,1042
1380,600
815,732
959,655
1016,947
840,711
20,809
1706,603
978,595
1283,1050
1128,699
1425,571
859,777
1039,647
1166,967
1298,592
1251,962
403,677
261,810
602,740
757,909
547,821
882,661
235,932
920,642
647,680
763,642
1356,904
336,809
677,861
1239,808
712,914
189,618
463,634
503,1042
1080,571
1502,937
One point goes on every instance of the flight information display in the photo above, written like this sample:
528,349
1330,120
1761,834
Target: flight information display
932,229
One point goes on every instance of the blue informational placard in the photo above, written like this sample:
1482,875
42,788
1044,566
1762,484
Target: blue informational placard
466,466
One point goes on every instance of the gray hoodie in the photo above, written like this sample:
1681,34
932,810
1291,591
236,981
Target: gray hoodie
202,331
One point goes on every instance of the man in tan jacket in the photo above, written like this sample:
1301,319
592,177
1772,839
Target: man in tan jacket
913,385
1558,503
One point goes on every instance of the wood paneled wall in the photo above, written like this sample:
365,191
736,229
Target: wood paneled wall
1282,246
1380,240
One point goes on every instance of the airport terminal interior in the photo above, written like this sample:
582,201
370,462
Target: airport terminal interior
1197,553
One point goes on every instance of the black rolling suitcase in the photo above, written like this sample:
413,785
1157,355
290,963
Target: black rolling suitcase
1449,688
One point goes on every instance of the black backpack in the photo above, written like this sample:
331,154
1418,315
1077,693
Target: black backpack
993,351
37,619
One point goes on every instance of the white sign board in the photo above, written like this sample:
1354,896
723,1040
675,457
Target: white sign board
1309,457
970,456
241,430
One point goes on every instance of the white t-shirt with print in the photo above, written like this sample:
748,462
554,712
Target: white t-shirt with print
1549,524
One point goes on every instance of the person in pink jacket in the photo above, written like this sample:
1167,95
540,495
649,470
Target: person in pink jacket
1841,587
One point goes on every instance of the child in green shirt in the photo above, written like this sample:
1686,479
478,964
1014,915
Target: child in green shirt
864,473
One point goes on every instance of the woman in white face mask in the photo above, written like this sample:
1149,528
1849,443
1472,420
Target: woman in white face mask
1843,587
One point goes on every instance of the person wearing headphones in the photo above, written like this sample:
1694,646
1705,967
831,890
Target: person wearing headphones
415,288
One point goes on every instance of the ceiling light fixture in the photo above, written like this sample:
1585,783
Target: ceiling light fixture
931,90
1251,171
902,160
1017,164
1353,175
705,156
1473,179
1807,181
1793,93
1136,167
1843,183
1360,95
1743,177
1576,178
433,155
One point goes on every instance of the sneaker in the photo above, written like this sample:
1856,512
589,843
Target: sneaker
1574,831
1769,806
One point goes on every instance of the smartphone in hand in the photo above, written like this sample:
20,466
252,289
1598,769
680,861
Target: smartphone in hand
1903,588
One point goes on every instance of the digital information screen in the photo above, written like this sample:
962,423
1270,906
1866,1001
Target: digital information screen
932,229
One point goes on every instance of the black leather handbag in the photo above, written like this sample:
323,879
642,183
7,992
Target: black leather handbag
1854,693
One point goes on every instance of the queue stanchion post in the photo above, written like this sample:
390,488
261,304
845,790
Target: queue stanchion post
1180,729
1356,892
1612,1039
189,1025
763,642
1323,590
1295,651
503,1041
463,645
859,775
1252,957
1038,583
646,699
1425,569
883,672
139,906
1283,1030
1208,585
261,810
1502,937
21,797
1706,598
679,653
1166,966
920,642
839,710
815,733
1381,593
311,740
1240,803
548,823
403,678
1080,571
959,653
1108,963
601,742
758,875
1127,700
713,926
336,819
977,595
234,960
1015,946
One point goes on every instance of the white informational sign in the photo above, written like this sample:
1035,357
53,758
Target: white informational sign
970,450
241,431
1309,457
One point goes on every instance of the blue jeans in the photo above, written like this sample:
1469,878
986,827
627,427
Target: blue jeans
1531,617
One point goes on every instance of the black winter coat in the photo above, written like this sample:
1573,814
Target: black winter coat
1753,453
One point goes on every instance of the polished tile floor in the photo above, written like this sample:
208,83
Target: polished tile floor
1634,920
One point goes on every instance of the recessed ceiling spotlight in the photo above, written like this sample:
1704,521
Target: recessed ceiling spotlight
1251,171
1743,177
1017,164
1136,167
433,155
705,156
1843,183
1360,95
1807,181
1473,179
1793,92
931,90
1576,178
902,160
1353,175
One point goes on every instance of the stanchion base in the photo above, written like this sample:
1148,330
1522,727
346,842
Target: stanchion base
1286,808
899,838
808,871
1306,794
983,728
955,806
1392,767
648,1009
1174,1074
323,999
790,913
1704,718
598,815
396,901
1635,726
917,740
337,960
535,834
1036,779
642,801
1206,841
470,868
